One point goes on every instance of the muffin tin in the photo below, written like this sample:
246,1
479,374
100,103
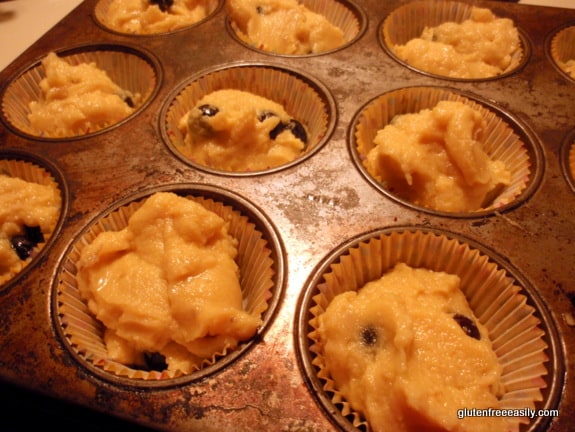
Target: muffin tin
310,212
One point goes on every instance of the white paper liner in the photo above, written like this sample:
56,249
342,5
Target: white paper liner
101,16
500,142
299,98
409,20
340,13
33,173
84,333
563,48
128,70
497,301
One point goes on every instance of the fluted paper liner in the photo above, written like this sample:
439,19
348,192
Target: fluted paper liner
408,22
84,333
342,13
13,166
304,99
496,299
500,141
130,69
101,16
563,48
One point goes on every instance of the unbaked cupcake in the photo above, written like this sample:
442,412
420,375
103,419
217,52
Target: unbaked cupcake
293,28
61,96
562,51
119,352
153,17
453,40
247,119
33,198
505,310
420,116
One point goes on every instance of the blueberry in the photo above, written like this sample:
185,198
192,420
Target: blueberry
24,244
468,326
264,115
369,336
208,110
128,100
155,361
295,127
164,5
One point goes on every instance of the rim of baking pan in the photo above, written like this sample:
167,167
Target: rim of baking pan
255,216
529,138
555,363
350,5
321,90
140,52
59,177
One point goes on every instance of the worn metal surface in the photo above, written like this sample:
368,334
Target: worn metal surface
315,206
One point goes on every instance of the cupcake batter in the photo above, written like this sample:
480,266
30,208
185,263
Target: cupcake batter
283,26
29,213
434,158
166,285
235,130
155,16
480,47
77,99
407,352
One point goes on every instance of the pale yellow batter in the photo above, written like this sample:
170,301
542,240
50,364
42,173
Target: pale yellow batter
24,204
434,158
233,130
283,26
149,17
480,47
77,99
167,284
408,353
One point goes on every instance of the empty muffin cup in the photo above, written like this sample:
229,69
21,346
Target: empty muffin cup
502,138
407,24
149,18
261,276
307,101
85,110
562,51
35,195
522,332
308,39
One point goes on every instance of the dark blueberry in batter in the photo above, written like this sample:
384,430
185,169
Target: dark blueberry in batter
295,127
468,326
25,243
208,110
368,336
129,101
155,361
297,130
264,115
164,5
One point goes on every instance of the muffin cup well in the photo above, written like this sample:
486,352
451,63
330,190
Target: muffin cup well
408,21
506,139
344,14
522,331
101,17
130,68
32,168
561,49
260,260
304,98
